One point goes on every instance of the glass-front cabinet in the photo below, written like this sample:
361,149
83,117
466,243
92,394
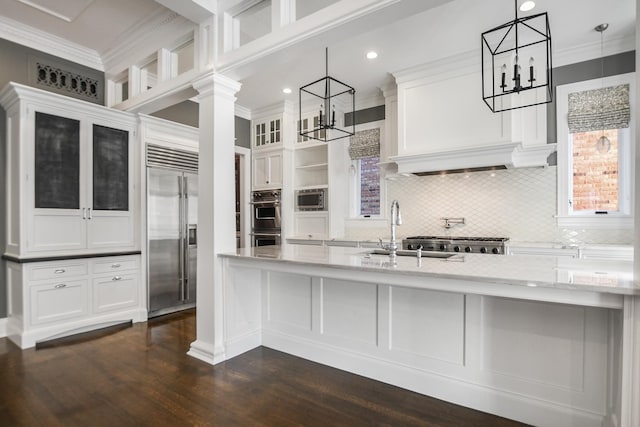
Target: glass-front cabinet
71,174
267,132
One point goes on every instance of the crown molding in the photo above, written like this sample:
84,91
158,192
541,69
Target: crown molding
159,29
34,38
587,51
242,112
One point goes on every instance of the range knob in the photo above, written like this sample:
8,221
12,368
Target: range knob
467,249
483,250
456,248
443,247
495,251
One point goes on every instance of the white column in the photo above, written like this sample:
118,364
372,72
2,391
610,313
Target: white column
216,209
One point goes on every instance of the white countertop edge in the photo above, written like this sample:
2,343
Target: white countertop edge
466,283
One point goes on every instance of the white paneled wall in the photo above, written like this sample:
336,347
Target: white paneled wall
515,203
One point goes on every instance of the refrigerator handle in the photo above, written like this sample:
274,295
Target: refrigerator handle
185,240
181,221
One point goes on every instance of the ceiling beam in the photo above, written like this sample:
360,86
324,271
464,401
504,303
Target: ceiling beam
195,10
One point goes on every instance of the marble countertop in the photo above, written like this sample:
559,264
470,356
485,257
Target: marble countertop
607,276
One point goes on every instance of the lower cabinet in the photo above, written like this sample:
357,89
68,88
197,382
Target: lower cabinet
54,302
314,225
51,299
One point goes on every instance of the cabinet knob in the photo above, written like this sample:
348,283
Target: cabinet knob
266,182
115,265
116,278
59,271
60,286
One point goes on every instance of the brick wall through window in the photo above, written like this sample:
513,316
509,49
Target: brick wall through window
370,186
595,174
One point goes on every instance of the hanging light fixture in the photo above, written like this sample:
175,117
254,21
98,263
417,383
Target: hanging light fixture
333,98
603,145
506,51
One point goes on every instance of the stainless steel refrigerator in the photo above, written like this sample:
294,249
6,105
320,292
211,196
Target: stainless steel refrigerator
172,209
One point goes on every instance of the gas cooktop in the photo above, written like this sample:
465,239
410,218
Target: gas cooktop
483,245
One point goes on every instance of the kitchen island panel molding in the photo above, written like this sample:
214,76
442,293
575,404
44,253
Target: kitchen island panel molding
426,324
539,358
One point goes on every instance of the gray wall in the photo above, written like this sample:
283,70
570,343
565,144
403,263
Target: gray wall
243,132
185,112
365,116
18,64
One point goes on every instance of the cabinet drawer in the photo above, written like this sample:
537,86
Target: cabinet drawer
59,271
58,301
113,265
115,292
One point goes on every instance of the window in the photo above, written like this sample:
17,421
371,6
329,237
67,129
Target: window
369,179
595,152
364,150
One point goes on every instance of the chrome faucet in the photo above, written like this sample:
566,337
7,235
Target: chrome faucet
396,219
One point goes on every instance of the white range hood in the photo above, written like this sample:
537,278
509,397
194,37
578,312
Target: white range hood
499,156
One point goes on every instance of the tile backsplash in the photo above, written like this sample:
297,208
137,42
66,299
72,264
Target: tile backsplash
515,203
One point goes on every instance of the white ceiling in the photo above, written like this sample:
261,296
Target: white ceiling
419,37
95,24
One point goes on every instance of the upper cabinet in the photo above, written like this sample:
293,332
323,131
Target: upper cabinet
267,170
267,132
71,176
443,123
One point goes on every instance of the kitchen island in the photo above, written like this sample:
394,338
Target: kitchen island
543,340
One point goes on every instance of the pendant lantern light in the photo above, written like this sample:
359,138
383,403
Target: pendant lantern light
516,63
331,99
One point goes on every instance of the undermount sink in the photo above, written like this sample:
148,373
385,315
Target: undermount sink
413,253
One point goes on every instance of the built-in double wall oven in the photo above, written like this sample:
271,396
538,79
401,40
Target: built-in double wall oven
265,219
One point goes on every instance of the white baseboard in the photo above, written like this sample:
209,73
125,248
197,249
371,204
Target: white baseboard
3,327
206,352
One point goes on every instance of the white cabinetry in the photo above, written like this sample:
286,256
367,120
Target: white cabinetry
72,182
311,166
309,121
267,132
56,298
311,171
267,169
565,251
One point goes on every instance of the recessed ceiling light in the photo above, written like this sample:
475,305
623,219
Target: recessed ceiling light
372,55
286,90
527,6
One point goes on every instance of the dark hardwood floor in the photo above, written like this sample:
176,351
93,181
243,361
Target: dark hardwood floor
141,376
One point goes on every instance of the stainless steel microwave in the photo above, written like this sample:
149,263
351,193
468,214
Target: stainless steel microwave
311,200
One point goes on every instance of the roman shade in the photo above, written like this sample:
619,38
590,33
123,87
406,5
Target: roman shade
598,109
364,144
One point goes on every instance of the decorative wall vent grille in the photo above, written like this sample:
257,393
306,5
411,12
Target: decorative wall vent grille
66,80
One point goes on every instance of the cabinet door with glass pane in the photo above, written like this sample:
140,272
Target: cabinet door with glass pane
111,175
56,198
267,132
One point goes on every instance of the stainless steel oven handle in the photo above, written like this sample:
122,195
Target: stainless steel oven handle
272,202
266,234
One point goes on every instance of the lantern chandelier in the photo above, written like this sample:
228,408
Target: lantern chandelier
333,98
506,51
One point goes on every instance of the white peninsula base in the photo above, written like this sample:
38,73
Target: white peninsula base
540,362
